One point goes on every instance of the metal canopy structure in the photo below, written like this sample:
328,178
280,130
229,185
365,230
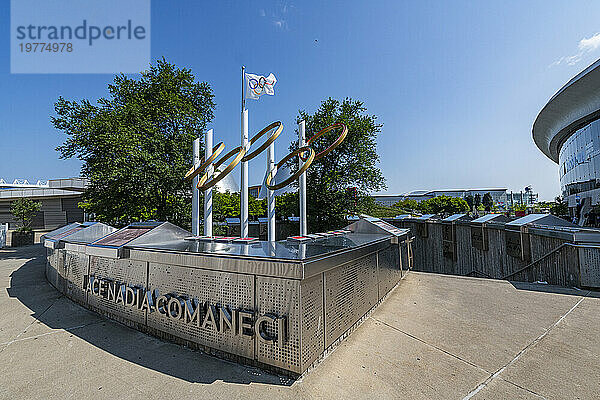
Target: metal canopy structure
457,217
490,218
540,219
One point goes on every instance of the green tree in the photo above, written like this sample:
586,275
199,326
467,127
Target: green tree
444,205
287,205
352,164
477,201
560,207
227,205
487,202
23,210
368,205
136,144
520,207
408,205
470,201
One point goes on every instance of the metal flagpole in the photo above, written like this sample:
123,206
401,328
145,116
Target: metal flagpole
244,167
208,210
302,190
271,193
196,192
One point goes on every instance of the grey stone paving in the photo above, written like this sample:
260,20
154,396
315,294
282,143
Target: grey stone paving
435,337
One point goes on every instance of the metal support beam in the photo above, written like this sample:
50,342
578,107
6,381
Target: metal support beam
244,183
195,191
271,193
208,210
302,181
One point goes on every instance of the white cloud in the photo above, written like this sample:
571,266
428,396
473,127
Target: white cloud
585,46
590,44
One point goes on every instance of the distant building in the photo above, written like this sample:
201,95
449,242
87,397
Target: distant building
499,195
59,198
254,190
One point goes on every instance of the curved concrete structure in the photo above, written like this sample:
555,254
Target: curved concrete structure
573,106
567,130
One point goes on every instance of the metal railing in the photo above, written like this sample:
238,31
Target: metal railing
545,256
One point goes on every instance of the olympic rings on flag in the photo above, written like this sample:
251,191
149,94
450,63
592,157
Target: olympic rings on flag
258,84
301,170
191,174
335,144
203,185
267,143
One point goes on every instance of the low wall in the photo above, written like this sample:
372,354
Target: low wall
531,254
276,314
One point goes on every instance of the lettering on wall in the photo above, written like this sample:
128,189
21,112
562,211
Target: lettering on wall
204,315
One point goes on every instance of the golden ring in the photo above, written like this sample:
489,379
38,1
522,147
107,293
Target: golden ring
191,174
301,170
267,142
240,153
335,144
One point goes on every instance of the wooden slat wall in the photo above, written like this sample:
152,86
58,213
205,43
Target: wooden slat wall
561,268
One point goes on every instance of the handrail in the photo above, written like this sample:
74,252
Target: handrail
581,246
476,272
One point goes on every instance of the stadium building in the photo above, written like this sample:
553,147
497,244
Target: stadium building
567,130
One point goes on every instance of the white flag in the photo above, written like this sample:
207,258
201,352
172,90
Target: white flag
257,85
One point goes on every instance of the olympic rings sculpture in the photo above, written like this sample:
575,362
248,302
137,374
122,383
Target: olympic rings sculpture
239,155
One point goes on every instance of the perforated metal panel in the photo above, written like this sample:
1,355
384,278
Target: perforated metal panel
589,266
406,256
61,278
389,271
76,267
51,265
235,291
350,291
55,273
313,323
126,271
282,298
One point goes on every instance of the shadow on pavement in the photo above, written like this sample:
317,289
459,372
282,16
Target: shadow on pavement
24,252
28,284
545,288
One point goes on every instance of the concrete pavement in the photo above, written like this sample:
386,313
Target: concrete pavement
434,337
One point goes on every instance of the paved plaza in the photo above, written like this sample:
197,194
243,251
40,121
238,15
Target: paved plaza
434,337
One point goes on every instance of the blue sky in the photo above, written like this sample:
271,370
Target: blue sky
457,84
